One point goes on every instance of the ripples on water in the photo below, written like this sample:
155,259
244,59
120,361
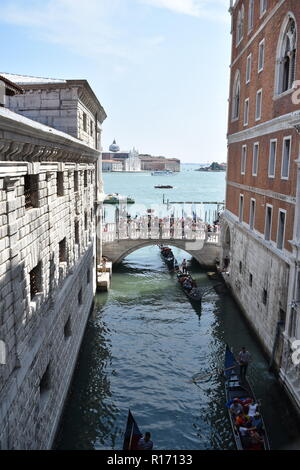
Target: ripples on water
143,344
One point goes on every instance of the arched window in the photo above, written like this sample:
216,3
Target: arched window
251,15
286,56
240,25
236,96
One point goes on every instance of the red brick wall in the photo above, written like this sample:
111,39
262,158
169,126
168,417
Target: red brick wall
271,109
233,198
262,180
264,80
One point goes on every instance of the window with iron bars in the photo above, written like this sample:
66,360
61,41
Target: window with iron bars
31,191
36,280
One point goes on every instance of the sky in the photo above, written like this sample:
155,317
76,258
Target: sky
160,68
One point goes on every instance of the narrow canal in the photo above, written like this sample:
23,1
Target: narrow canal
143,343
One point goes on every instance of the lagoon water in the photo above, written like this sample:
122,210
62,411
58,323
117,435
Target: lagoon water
145,340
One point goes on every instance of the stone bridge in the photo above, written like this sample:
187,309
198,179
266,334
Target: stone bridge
196,238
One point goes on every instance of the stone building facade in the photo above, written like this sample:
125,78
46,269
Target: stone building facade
261,232
150,163
49,185
67,105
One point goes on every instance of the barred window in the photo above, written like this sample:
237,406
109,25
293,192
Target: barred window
76,181
60,183
63,251
31,191
36,281
77,232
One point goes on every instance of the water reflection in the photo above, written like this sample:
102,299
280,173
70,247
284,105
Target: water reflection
143,344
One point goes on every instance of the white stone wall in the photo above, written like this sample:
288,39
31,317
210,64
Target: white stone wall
33,330
269,272
56,108
59,108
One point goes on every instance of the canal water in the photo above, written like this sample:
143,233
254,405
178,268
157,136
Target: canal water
145,341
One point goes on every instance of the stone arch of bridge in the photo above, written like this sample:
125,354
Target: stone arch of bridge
123,253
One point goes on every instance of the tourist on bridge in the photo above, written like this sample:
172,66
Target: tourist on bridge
145,443
244,358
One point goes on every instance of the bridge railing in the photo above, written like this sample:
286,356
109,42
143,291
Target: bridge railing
165,230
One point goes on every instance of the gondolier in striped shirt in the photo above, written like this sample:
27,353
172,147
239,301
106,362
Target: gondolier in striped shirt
244,358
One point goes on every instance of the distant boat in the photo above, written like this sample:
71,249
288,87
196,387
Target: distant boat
162,173
117,198
160,186
132,434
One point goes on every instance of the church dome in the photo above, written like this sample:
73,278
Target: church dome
114,147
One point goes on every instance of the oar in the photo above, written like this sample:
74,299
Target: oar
196,378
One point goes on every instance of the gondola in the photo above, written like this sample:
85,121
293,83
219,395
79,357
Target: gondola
195,295
241,389
168,256
132,434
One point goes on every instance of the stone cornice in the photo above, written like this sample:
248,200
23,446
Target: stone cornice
287,121
24,140
289,199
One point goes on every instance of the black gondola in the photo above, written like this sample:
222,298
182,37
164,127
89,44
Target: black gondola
168,256
195,294
241,389
132,434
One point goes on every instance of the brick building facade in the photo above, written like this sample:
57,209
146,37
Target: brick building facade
261,222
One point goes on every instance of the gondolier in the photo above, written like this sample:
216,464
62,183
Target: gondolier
244,358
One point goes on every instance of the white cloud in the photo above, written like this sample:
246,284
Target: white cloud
87,27
210,9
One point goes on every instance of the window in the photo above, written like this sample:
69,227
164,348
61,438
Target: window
76,181
80,297
252,213
272,158
67,329
236,97
84,122
250,280
261,55
255,159
265,296
263,7
31,191
251,15
241,267
77,232
35,281
85,221
241,208
85,178
246,112
92,127
240,26
281,229
244,159
60,183
248,68
293,323
258,105
63,251
286,57
88,276
268,222
286,153
45,385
